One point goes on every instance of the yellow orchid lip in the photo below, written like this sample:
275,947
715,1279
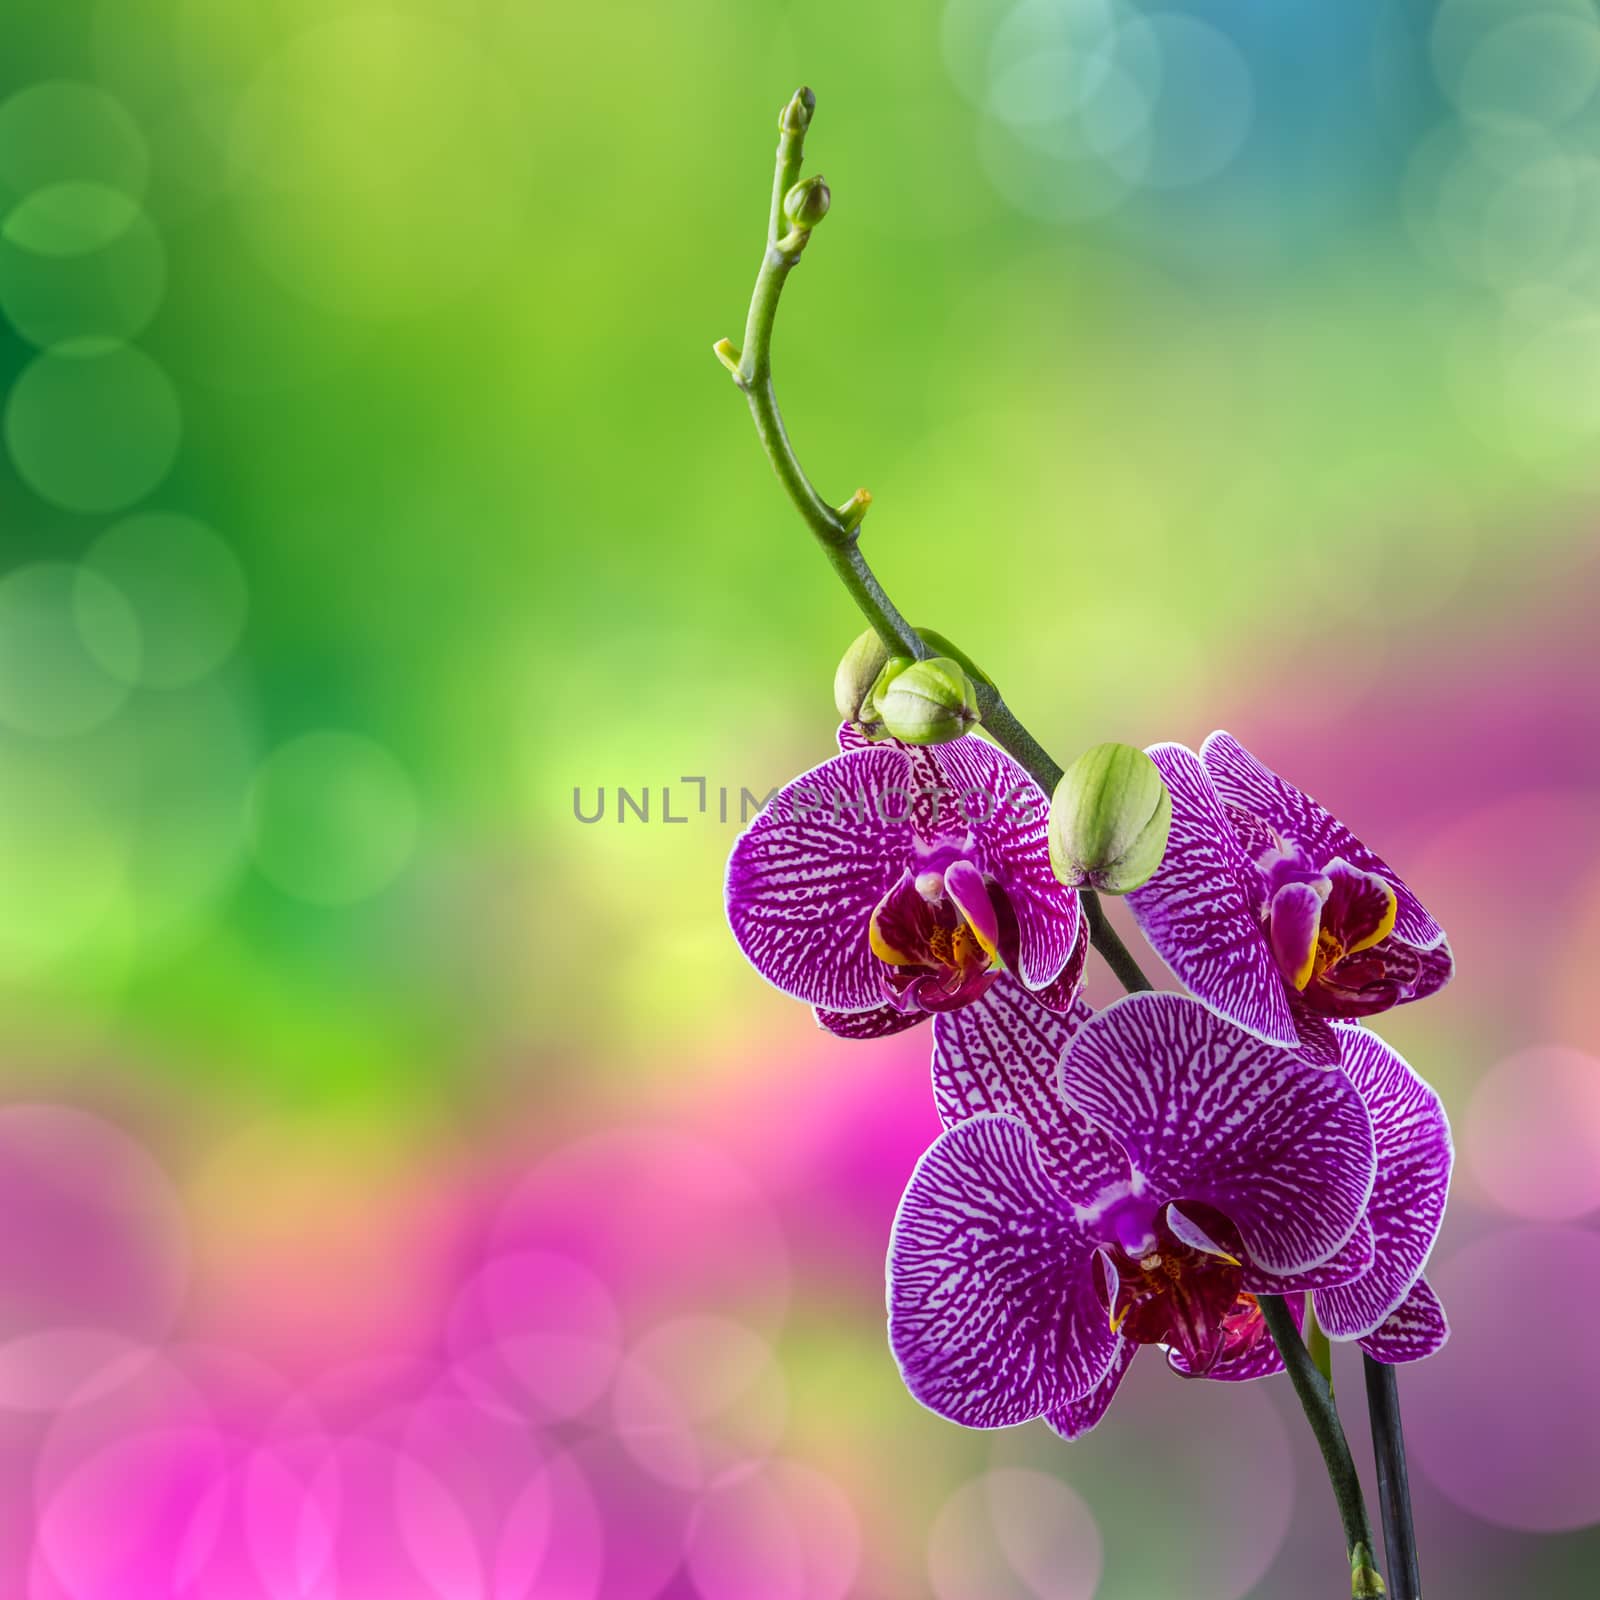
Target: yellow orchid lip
882,949
1385,924
932,926
1301,975
1347,921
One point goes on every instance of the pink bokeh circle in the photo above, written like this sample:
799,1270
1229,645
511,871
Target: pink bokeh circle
133,1517
1531,1135
781,1530
93,1253
535,1333
1198,1450
1502,1421
669,1223
1014,1534
698,1396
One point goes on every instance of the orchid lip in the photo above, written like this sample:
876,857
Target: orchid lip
1178,1287
938,933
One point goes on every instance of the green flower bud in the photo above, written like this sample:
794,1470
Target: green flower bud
857,676
807,203
927,702
870,721
1109,820
796,116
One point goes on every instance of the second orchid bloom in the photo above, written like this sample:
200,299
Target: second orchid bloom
1139,1177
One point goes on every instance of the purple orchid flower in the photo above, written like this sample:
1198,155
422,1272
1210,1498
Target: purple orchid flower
1272,912
1177,1168
895,882
1387,1306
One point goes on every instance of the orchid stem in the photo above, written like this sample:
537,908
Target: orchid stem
1394,1488
839,533
1316,1400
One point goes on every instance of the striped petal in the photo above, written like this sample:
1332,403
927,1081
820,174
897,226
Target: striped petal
1415,1155
992,1312
1418,1328
1077,1417
1244,782
879,1023
1354,1257
1207,1112
1004,1055
1199,910
805,876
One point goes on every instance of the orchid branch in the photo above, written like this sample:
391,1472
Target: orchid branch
1316,1400
837,529
801,205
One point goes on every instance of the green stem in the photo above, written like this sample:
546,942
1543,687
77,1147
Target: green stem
839,533
1316,1400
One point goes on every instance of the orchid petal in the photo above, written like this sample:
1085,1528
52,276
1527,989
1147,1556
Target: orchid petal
880,1023
1186,1229
1354,1257
1415,1155
1197,910
1319,1039
806,875
1208,1113
1003,1054
1294,919
1078,1417
992,1312
1245,782
1418,1328
970,890
1437,966
1061,994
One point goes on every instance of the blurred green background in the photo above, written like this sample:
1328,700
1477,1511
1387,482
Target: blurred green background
372,508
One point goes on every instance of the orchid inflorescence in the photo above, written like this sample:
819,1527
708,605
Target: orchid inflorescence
1234,1175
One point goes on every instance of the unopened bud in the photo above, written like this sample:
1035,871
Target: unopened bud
796,116
1109,820
927,702
857,676
806,204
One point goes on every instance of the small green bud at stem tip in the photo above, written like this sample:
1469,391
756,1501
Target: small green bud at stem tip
724,351
796,116
1109,820
854,509
806,204
927,702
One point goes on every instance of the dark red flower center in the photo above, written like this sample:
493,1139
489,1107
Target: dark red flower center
939,933
1330,931
1181,1287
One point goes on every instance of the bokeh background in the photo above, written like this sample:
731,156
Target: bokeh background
405,1190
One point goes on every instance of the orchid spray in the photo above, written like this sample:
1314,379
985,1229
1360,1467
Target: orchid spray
1235,1175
